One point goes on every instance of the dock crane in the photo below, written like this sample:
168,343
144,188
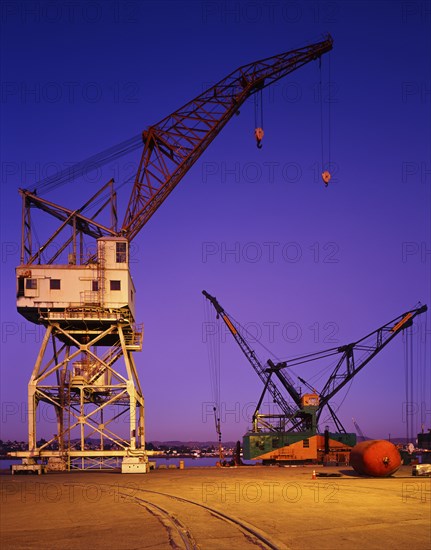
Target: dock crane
289,412
302,418
348,364
86,300
359,431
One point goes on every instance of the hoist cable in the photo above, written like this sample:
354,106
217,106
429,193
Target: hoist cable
424,382
406,382
345,395
321,114
412,431
79,169
258,109
107,194
213,351
329,113
261,108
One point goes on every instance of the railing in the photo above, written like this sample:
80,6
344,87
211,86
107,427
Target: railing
79,311
89,297
134,337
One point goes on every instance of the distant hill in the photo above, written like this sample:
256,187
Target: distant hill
230,444
191,444
173,443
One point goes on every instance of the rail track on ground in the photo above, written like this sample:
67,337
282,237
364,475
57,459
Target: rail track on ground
192,525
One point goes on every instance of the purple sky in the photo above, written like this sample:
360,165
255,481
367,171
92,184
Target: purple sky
322,266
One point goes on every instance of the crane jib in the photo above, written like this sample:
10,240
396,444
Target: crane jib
175,143
401,323
230,325
171,147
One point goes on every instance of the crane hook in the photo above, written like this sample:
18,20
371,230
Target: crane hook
258,134
326,176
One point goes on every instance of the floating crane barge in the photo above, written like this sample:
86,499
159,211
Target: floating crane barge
293,435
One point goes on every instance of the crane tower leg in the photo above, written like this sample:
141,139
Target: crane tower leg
91,383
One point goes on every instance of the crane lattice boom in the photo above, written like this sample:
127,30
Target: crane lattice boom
250,354
346,368
174,144
171,147
349,365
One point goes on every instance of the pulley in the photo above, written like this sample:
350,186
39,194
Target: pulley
258,134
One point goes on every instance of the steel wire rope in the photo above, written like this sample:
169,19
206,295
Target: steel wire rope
406,386
78,169
424,383
104,196
329,111
321,114
213,352
413,404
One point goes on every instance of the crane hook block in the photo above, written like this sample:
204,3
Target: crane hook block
326,176
258,134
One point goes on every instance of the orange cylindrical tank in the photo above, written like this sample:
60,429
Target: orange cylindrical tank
376,457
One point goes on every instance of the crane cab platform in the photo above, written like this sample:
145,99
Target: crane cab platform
98,293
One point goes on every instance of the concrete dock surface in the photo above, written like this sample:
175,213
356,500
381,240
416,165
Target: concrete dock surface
216,508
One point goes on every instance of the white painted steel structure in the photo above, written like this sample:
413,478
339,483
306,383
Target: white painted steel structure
85,369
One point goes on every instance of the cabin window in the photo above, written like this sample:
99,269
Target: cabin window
95,285
306,443
121,253
54,284
31,284
115,285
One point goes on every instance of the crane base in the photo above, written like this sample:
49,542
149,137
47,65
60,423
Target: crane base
134,465
27,469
